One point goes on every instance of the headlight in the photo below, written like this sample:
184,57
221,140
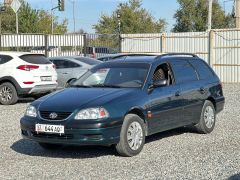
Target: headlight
31,111
92,113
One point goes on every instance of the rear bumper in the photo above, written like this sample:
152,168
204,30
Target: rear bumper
220,104
38,89
42,89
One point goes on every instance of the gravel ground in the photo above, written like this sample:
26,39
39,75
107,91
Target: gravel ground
176,154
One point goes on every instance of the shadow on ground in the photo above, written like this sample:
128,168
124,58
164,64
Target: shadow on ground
25,100
32,148
235,177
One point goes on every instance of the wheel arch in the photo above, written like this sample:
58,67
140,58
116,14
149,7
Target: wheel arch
11,80
139,112
213,101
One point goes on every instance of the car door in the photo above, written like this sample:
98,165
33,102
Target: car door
64,70
187,79
165,106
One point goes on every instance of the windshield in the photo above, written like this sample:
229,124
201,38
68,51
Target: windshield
122,75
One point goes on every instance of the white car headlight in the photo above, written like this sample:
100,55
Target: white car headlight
31,111
92,113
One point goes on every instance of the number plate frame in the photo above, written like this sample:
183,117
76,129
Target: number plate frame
46,78
49,128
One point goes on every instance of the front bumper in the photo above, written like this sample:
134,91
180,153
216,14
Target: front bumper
77,133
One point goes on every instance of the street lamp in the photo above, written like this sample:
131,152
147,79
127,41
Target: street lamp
119,21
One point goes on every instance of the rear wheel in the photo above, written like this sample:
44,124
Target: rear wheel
8,94
207,119
50,146
132,137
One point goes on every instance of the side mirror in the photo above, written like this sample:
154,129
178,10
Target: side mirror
159,83
69,84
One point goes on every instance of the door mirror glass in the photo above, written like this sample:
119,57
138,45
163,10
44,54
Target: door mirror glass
158,83
70,83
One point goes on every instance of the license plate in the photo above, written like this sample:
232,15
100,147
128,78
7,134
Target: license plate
46,78
47,128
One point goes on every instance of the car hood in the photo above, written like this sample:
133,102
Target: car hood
71,99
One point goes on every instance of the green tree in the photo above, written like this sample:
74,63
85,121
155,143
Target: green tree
31,21
134,19
193,16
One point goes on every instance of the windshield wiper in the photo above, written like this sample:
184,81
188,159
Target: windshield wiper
80,86
106,85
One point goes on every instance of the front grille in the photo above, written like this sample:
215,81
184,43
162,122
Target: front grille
59,115
52,136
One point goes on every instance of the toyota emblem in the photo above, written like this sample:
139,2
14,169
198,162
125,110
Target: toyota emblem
53,115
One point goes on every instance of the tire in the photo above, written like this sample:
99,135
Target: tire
8,94
207,119
127,146
50,146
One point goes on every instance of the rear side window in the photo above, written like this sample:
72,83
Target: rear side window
88,61
183,71
5,58
202,68
63,64
35,59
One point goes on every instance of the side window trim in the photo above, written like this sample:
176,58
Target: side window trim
198,77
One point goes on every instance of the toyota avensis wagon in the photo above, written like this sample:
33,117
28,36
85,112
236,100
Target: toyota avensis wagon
121,102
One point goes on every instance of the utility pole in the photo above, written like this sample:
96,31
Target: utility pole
74,17
210,15
238,14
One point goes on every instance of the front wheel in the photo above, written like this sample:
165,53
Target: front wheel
207,119
132,136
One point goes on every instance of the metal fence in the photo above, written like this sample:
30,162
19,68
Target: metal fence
93,45
220,48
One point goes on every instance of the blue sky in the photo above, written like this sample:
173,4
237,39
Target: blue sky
88,12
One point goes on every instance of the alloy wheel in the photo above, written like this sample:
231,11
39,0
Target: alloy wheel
135,135
6,94
209,117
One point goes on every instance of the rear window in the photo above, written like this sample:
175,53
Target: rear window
183,71
202,68
88,61
5,58
35,59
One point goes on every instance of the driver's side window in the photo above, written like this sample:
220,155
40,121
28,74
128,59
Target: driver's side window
163,72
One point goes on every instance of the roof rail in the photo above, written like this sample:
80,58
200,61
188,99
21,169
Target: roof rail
177,54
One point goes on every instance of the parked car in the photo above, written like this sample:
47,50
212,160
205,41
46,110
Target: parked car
96,52
70,68
120,102
121,56
25,74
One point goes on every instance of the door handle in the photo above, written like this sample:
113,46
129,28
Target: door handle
64,73
177,93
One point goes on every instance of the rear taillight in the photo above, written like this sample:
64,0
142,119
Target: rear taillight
27,67
28,82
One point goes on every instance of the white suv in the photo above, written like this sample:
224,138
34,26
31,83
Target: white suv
25,74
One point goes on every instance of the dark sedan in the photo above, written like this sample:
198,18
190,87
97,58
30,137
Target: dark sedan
121,102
